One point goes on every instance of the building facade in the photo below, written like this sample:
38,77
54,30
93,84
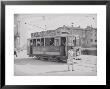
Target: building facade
87,35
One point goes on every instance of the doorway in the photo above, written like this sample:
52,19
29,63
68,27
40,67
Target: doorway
63,45
31,46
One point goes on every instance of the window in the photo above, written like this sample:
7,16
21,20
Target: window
34,42
91,40
95,40
42,41
38,42
31,42
49,41
56,42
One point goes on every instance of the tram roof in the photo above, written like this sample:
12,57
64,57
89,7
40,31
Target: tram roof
53,36
59,32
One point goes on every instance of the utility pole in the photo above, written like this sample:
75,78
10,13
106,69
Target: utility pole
18,35
44,18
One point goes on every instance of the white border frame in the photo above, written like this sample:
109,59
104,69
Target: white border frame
100,79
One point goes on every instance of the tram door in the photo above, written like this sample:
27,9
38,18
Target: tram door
63,45
28,46
31,46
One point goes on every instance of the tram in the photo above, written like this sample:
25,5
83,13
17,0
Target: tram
52,46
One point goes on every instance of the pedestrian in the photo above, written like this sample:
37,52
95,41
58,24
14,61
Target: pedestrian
78,53
71,58
15,53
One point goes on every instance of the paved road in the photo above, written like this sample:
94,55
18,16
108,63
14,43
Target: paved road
32,67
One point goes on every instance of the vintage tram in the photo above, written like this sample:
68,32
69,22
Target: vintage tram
51,46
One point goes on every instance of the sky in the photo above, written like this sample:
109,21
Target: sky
29,23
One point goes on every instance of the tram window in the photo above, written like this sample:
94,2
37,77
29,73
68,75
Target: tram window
42,41
49,41
63,41
34,42
56,42
38,42
31,43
